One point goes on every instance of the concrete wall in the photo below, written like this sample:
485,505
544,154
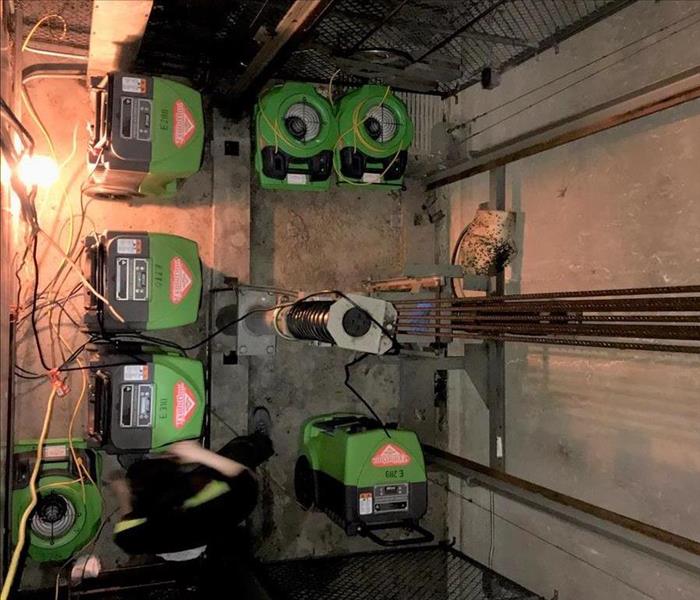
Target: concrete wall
615,428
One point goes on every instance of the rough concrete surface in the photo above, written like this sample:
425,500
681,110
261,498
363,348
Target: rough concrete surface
314,242
618,429
298,241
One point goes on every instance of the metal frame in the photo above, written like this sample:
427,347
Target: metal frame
660,543
666,93
443,55
9,86
668,546
496,363
300,17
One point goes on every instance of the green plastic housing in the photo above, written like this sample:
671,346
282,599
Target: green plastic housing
170,161
348,457
169,372
88,507
164,310
270,130
351,111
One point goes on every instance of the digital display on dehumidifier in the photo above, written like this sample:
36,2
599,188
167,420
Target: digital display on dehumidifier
136,408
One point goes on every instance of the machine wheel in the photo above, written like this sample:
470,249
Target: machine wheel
304,484
104,192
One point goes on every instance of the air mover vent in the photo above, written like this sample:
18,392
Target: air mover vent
295,132
380,123
303,122
68,512
53,517
375,134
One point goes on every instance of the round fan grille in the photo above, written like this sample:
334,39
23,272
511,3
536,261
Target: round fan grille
380,123
302,121
53,517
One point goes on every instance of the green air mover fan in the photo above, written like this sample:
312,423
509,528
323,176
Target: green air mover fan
64,520
148,133
375,134
145,401
363,477
152,281
295,132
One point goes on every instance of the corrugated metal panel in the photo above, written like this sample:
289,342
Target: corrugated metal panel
425,111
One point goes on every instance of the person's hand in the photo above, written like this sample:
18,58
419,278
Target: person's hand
186,452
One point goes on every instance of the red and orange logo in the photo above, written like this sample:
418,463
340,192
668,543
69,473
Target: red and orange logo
184,404
180,280
391,455
183,124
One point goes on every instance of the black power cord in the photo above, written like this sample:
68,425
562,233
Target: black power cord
359,396
42,358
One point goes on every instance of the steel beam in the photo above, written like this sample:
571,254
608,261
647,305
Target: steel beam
491,38
496,351
668,546
666,93
298,20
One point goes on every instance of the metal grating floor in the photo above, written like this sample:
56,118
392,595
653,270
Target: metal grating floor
434,573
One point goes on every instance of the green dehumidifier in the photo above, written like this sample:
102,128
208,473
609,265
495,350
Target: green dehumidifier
67,515
375,133
148,133
365,478
152,281
142,401
295,132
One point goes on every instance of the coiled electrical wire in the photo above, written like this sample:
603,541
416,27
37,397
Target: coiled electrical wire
309,321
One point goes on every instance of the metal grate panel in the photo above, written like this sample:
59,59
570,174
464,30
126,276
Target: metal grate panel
78,16
209,43
425,111
435,573
446,44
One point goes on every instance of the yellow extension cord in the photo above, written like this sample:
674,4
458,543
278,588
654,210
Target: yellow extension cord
12,571
355,129
82,470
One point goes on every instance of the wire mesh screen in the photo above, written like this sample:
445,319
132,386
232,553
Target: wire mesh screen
438,46
436,573
206,41
77,15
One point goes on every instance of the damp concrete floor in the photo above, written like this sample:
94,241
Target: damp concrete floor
294,241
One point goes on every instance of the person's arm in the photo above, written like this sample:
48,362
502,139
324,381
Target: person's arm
192,452
123,493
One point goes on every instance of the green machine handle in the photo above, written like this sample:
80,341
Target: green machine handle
424,537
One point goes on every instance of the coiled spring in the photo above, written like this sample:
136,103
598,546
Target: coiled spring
309,321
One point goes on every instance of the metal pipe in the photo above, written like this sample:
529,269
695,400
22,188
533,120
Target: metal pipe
656,332
574,318
648,291
660,304
543,340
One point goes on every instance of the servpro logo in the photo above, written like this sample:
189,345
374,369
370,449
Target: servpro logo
183,124
184,404
180,280
391,455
